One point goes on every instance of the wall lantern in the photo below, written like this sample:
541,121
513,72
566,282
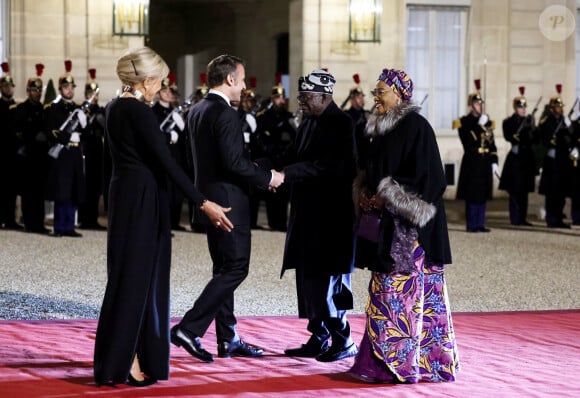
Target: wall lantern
130,17
364,21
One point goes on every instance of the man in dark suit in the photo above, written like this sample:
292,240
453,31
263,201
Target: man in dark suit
320,169
223,171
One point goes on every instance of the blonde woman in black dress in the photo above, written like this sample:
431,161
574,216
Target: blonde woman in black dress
132,341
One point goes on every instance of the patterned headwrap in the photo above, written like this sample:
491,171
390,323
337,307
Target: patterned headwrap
399,81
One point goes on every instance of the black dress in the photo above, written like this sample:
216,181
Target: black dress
134,316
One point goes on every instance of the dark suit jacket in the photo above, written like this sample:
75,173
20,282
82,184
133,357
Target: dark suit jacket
222,168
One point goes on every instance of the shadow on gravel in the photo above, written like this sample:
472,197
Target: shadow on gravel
19,306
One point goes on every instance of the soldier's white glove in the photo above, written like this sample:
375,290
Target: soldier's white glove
82,118
75,137
483,119
567,121
173,137
251,120
495,169
178,120
574,153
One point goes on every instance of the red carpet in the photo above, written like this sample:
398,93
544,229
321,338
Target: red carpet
512,355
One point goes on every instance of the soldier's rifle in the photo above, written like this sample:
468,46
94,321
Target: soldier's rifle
529,117
73,120
559,126
168,124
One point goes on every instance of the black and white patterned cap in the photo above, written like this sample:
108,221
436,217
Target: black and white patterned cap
318,81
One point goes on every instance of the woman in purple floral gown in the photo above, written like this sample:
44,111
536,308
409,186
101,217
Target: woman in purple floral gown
409,333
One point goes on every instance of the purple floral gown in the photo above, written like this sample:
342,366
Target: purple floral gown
409,334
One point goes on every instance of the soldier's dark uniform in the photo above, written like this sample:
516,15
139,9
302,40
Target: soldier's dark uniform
275,133
519,171
575,184
475,176
28,124
93,152
8,153
556,137
66,181
177,149
359,117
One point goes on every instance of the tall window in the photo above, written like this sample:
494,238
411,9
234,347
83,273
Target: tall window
435,59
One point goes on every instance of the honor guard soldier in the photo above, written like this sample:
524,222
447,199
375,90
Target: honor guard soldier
8,150
246,109
65,122
479,162
28,124
519,171
556,136
275,133
202,90
93,152
356,98
172,124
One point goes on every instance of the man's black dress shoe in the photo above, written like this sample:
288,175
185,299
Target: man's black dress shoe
190,342
147,381
308,350
238,348
95,226
483,229
72,234
338,353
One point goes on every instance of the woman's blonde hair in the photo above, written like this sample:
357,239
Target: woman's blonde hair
137,64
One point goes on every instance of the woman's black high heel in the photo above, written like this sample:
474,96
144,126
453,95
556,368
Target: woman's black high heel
143,383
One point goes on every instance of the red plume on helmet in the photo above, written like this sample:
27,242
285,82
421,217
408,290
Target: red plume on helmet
203,78
6,78
93,73
172,77
67,77
35,82
559,89
278,89
356,78
39,69
475,97
520,101
68,65
5,67
477,83
557,100
253,81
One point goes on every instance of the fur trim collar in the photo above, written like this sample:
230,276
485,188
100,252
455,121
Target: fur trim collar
383,123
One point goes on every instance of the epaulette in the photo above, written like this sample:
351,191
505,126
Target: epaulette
543,120
493,124
456,124
260,113
13,106
46,106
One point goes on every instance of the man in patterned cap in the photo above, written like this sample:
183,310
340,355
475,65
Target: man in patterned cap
8,149
321,166
66,181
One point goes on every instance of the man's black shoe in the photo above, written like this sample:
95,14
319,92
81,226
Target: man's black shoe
338,353
308,350
72,234
238,349
483,229
190,342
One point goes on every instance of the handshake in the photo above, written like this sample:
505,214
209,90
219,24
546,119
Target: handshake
276,181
